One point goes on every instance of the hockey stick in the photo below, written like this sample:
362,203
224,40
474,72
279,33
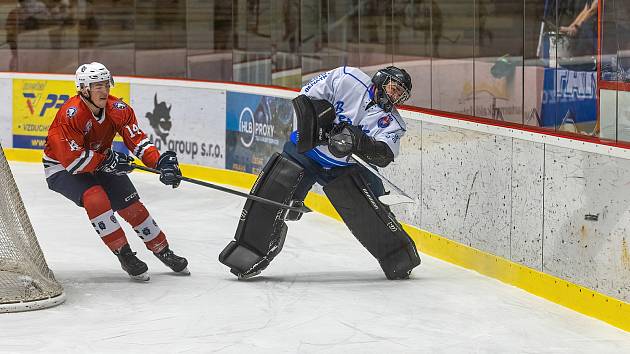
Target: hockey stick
300,209
387,199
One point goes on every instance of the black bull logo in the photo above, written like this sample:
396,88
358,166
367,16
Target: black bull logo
160,118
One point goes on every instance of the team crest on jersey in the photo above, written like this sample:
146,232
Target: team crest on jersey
120,105
71,112
384,122
87,127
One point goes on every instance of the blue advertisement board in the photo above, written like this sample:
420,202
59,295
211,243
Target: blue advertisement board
257,126
568,95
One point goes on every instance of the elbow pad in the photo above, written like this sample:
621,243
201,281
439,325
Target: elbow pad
378,153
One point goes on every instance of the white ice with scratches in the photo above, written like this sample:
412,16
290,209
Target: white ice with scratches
323,294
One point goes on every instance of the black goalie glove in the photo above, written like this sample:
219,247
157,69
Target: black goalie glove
169,169
116,163
346,139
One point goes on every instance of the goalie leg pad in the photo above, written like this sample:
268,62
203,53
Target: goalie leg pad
261,229
241,260
245,262
398,265
292,215
373,224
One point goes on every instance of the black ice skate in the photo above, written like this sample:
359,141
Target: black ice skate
136,268
176,263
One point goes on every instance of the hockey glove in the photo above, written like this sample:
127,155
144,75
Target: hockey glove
169,169
346,139
116,163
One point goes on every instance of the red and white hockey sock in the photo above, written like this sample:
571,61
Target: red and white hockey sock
99,210
143,224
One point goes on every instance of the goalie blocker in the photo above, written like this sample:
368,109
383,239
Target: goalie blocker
314,121
373,224
261,229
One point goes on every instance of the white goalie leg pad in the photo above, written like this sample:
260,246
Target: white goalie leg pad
105,224
148,229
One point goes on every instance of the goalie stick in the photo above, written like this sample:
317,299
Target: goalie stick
387,199
300,209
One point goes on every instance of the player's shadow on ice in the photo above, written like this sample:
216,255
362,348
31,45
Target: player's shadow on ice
342,277
169,274
75,279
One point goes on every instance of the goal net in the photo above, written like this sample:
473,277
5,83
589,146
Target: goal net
26,282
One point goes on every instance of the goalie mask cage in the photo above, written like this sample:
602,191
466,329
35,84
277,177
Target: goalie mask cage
26,282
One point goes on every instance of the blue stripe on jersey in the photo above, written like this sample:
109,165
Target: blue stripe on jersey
362,83
293,137
371,91
324,160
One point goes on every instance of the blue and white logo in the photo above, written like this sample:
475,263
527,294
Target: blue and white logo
384,122
120,105
252,130
71,112
246,127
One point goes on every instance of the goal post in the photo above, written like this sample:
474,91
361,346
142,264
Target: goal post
26,282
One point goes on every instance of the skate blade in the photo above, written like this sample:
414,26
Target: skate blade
141,277
248,275
183,272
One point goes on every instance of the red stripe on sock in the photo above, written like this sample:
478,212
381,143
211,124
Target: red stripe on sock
115,240
96,202
136,214
157,244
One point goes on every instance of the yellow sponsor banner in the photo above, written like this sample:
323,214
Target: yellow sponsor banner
35,104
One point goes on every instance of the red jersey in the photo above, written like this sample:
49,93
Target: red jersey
77,140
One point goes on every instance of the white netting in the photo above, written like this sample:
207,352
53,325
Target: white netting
26,282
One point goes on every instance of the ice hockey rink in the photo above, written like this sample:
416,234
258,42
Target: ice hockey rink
323,294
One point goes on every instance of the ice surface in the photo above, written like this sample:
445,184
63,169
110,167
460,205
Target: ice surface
323,294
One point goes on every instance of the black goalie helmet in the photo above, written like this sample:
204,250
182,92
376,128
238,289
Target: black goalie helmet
393,86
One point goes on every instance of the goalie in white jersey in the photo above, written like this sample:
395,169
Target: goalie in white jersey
339,113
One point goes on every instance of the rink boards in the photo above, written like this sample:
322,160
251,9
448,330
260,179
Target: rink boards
544,213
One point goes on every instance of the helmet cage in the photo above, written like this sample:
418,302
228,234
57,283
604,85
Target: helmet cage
394,79
393,83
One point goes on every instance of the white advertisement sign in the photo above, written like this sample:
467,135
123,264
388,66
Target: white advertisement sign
6,113
189,121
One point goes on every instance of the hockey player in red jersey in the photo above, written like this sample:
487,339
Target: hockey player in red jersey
80,164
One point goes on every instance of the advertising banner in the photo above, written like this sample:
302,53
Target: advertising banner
189,121
257,126
35,104
569,95
6,112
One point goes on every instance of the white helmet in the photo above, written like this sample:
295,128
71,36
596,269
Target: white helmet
92,72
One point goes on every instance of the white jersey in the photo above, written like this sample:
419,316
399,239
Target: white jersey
351,92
